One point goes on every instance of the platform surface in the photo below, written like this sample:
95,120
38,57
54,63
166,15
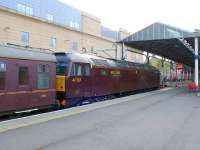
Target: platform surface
160,120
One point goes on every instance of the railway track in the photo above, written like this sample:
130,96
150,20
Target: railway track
85,102
27,113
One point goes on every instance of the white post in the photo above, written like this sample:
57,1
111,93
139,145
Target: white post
122,51
196,76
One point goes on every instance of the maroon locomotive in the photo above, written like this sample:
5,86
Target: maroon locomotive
27,79
81,77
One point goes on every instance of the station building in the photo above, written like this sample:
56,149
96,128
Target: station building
53,25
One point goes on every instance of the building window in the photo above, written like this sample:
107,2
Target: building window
74,25
23,76
50,17
77,26
25,37
74,46
53,42
43,76
25,9
2,75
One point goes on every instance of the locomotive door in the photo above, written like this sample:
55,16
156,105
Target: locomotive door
87,89
23,85
76,81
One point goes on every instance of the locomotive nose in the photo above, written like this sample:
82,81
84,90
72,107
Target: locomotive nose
60,84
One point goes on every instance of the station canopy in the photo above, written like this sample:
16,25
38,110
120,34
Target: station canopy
165,41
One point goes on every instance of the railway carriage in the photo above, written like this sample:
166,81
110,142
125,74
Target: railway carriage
27,79
81,77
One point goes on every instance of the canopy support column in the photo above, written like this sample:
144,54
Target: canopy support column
196,75
123,51
147,57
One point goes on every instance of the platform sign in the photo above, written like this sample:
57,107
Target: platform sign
179,66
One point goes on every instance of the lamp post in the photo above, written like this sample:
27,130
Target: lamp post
122,51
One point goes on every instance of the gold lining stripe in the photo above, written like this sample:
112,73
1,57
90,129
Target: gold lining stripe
1,94
42,91
27,92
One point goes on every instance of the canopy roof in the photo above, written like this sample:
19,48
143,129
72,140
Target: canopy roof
166,41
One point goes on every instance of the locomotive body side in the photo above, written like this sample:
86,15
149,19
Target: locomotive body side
89,77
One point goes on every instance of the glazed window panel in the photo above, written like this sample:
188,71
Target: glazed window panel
2,80
23,76
2,67
43,76
43,68
53,42
76,70
86,70
50,17
25,37
25,9
43,81
2,75
104,72
62,69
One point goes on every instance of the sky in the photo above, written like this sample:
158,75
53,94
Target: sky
134,15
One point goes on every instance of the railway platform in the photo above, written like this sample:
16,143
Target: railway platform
166,119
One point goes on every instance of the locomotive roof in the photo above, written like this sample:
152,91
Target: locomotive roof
26,53
99,61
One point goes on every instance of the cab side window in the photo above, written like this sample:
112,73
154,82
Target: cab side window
2,75
76,70
104,72
86,70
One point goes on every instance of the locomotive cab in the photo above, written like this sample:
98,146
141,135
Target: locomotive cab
73,79
61,82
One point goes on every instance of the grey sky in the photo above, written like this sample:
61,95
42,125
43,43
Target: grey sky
134,15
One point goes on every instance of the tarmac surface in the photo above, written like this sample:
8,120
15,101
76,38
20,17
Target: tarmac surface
167,120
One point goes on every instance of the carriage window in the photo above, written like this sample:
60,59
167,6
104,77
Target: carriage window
76,70
2,75
86,70
23,76
104,72
43,76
